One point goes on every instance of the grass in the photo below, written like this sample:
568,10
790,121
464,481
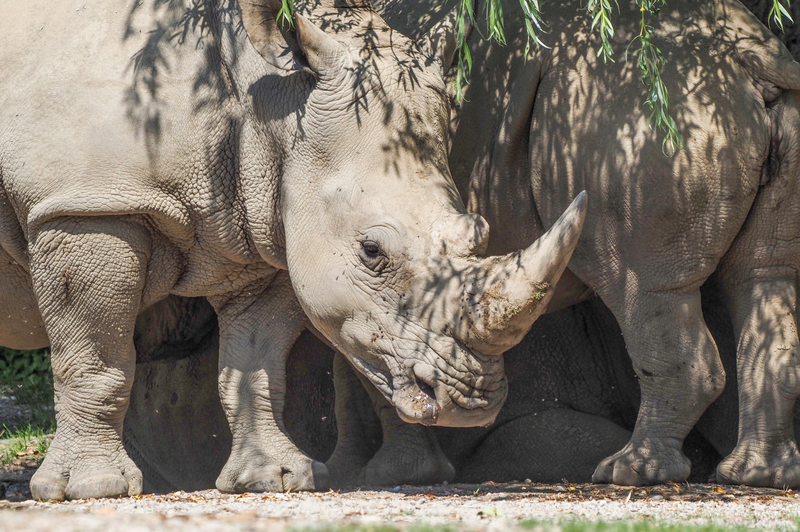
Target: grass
27,441
639,525
26,378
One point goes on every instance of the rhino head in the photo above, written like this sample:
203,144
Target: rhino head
383,257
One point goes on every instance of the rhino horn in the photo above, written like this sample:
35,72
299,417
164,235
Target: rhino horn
506,294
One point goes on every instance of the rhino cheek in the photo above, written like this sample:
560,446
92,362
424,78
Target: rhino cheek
322,286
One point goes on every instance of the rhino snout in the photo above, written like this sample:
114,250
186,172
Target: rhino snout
429,400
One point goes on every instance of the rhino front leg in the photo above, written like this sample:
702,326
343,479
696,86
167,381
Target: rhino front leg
88,275
680,374
257,329
358,428
409,453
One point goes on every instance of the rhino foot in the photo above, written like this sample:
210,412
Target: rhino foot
418,463
409,456
346,468
62,476
303,474
751,466
644,463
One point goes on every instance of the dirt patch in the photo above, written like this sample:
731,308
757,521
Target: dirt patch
473,507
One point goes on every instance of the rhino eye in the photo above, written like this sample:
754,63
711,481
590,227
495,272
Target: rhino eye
372,256
371,249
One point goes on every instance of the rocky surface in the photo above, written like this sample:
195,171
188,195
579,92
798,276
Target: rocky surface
473,507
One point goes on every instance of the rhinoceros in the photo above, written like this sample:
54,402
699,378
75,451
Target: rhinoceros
768,458
573,399
535,130
285,172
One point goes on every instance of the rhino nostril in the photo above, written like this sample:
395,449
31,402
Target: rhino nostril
426,388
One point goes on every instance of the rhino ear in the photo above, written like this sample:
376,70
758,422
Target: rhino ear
441,42
276,42
324,54
287,47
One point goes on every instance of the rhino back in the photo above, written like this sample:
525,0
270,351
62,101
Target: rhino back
122,108
588,129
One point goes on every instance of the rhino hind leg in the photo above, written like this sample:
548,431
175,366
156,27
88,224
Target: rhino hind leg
768,373
376,447
680,374
769,382
89,277
759,277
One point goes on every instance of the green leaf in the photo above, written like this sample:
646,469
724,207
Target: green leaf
778,12
600,11
286,13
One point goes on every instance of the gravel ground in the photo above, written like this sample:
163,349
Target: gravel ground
464,507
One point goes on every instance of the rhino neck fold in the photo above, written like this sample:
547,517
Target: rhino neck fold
269,103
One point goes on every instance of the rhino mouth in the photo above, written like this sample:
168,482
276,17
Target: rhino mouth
428,395
416,403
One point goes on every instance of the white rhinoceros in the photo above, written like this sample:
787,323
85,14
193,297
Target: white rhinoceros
152,148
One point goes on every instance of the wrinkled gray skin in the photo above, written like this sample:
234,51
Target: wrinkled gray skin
532,132
573,399
154,149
